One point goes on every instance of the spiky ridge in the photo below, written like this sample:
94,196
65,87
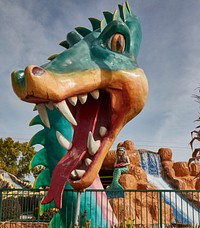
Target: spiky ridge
121,14
42,157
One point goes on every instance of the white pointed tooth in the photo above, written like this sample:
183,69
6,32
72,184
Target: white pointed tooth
88,161
82,98
80,172
103,131
63,141
92,145
73,100
76,181
63,108
73,174
43,114
95,94
50,105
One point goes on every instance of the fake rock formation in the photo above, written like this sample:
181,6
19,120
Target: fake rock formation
177,174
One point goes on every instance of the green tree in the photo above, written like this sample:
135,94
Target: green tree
15,157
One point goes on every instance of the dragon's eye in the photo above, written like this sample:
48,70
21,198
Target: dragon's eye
117,43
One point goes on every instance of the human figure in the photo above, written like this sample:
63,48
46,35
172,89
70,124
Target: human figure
121,166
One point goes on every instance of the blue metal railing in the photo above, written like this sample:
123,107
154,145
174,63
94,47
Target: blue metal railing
139,208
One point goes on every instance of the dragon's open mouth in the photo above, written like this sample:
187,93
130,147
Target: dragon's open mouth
91,117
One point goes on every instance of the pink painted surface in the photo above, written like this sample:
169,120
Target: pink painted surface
102,201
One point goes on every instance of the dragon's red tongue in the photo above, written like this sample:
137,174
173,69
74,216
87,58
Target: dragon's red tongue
60,175
86,117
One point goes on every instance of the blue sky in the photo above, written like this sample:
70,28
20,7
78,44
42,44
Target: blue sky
30,31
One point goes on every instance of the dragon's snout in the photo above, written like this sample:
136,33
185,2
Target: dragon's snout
19,77
33,84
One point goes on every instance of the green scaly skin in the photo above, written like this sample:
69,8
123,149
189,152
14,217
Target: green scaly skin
49,156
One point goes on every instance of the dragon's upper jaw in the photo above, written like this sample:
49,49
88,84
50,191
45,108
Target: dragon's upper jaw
97,104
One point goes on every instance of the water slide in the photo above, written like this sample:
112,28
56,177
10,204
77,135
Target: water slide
184,212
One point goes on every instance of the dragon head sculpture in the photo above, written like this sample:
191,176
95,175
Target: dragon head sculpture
96,85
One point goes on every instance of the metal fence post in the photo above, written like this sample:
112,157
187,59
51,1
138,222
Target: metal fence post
1,201
77,212
160,196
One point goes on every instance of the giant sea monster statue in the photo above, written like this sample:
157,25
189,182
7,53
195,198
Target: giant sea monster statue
84,95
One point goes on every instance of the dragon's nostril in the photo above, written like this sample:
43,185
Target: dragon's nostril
37,71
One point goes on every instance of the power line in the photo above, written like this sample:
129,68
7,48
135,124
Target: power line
138,143
161,146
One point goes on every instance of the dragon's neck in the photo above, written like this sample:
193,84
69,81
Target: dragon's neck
53,149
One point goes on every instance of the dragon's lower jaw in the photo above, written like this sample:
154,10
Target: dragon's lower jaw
91,172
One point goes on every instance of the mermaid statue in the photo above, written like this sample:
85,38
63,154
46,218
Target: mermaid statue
121,166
